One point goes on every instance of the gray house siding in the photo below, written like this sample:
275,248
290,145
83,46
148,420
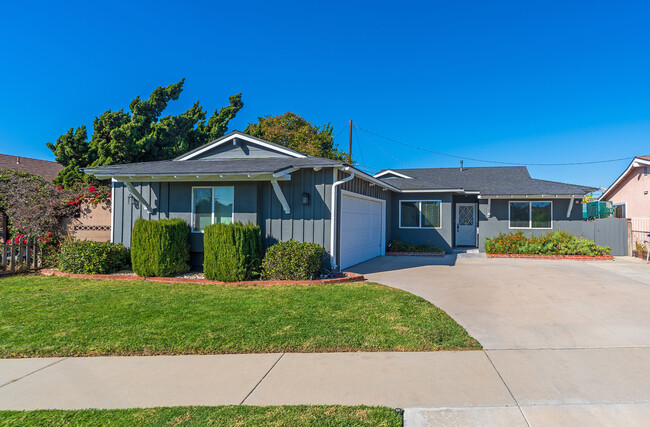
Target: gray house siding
255,202
441,237
308,223
611,232
241,150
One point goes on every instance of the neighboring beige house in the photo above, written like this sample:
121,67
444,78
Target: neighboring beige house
630,194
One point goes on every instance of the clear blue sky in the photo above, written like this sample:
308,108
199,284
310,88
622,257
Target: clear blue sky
530,82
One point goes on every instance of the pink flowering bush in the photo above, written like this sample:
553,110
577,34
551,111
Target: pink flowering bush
36,207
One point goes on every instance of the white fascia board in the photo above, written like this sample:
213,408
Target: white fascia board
362,175
246,138
392,172
637,162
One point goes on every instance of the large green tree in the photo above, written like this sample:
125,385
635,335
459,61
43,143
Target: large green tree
140,134
292,131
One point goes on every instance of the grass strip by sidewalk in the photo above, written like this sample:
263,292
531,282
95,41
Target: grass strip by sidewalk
62,316
206,415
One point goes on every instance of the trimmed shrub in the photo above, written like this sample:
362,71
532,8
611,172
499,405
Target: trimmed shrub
160,247
293,260
396,245
88,257
232,252
558,243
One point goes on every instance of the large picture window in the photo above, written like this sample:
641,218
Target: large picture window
531,215
419,214
211,205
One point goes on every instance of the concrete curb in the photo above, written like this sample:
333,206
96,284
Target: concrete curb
436,254
555,257
349,277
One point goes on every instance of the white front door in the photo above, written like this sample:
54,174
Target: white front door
465,224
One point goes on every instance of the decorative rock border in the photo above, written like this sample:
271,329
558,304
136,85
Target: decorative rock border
437,254
555,257
349,277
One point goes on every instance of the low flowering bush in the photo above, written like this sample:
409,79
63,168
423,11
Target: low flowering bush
34,206
396,245
557,243
293,260
88,257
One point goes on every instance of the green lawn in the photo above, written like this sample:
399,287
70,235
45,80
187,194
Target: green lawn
206,415
61,316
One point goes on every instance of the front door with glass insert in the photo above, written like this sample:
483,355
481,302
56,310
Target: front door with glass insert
465,224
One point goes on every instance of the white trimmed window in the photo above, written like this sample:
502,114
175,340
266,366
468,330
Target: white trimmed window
620,210
212,205
419,214
531,215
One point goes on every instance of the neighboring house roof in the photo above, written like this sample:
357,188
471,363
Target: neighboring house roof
638,161
45,168
497,181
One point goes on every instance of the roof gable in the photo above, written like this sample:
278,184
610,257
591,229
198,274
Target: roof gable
637,162
238,145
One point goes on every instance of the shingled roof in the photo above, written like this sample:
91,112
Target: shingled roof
45,168
512,180
210,167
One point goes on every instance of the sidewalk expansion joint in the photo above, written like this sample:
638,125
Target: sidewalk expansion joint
33,372
507,388
261,379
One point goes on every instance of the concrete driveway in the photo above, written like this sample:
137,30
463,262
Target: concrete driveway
530,304
570,340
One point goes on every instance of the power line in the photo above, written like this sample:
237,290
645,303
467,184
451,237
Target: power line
381,149
486,161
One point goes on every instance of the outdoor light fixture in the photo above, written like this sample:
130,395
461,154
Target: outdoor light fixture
305,198
133,202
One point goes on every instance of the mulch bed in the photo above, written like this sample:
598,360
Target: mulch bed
345,277
555,257
438,254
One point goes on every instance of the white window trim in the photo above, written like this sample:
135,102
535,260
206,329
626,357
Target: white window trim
624,204
419,202
212,187
530,215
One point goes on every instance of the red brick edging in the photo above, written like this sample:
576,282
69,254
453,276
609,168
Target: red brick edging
555,257
438,254
349,277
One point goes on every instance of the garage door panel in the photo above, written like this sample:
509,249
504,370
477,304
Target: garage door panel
360,229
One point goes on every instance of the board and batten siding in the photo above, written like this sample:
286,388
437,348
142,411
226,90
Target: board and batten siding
255,203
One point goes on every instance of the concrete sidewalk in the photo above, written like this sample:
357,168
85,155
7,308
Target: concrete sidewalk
498,385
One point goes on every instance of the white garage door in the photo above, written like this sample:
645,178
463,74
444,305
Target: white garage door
362,229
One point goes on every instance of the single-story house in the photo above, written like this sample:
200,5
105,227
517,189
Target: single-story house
352,214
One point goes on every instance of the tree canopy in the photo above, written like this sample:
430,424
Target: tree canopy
293,131
140,134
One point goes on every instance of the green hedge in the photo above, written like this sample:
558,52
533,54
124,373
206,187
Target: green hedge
232,252
160,247
558,243
293,260
88,257
397,245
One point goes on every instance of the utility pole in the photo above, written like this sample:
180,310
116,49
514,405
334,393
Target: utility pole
350,141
